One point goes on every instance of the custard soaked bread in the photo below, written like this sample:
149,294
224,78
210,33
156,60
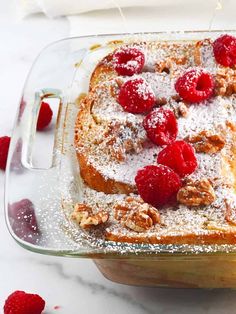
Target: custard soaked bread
155,140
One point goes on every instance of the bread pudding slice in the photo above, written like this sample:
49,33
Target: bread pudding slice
113,144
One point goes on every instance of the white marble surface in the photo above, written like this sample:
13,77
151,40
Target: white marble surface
75,285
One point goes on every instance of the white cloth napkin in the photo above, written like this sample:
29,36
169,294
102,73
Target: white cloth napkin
165,16
88,17
53,8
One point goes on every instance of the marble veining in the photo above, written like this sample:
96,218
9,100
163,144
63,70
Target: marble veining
99,288
75,285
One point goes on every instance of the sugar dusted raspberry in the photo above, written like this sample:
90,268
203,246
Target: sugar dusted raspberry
23,220
157,185
224,49
45,116
128,61
161,126
20,302
136,96
4,147
180,157
195,85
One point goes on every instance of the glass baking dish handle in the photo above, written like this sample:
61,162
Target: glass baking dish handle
33,141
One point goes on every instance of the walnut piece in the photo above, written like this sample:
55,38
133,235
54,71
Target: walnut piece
225,82
84,216
231,125
196,193
136,215
207,142
142,219
170,64
122,138
182,110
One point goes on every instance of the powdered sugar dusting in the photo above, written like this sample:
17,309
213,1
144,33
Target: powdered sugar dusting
207,57
161,83
210,115
144,90
123,171
158,118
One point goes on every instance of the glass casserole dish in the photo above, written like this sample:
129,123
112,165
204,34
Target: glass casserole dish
43,175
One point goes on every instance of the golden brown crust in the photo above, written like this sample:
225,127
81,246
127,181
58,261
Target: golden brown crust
214,237
95,180
86,128
103,71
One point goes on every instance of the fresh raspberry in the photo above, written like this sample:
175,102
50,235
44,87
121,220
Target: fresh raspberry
45,116
224,49
23,220
136,96
157,185
161,126
180,157
195,85
4,147
20,302
128,61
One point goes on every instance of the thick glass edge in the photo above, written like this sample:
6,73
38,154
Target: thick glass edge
146,250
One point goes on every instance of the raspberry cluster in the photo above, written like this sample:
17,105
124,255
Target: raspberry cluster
177,159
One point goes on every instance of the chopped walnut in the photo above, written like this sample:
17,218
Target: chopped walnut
225,82
180,109
120,211
176,98
231,125
84,216
169,64
142,220
207,142
196,193
124,138
164,66
161,101
136,215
